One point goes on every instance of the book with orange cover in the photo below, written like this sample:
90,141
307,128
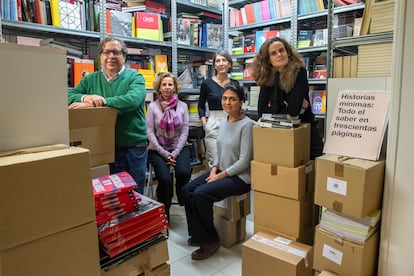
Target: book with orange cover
161,64
81,68
249,9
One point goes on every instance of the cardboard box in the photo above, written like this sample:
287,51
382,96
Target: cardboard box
278,180
353,186
281,146
67,253
230,232
162,270
288,216
343,257
233,208
306,237
43,193
265,254
26,120
94,129
144,262
99,171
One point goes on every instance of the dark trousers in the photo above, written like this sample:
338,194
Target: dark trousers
164,176
199,196
316,142
134,161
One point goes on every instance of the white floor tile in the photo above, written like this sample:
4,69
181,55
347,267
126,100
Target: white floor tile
224,262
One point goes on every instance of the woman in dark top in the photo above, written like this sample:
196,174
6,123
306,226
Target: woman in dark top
210,92
284,89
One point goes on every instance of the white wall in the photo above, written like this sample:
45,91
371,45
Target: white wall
397,232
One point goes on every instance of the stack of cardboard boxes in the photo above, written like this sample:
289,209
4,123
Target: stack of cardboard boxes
47,210
282,182
230,219
47,220
350,187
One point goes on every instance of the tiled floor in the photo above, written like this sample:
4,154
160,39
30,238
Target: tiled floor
226,261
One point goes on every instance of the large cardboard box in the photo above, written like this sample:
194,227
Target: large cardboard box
230,232
288,216
280,146
34,98
233,208
94,129
343,257
43,193
67,253
144,262
265,254
288,182
352,186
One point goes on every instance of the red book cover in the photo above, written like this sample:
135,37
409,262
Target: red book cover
113,184
121,199
137,240
38,11
271,33
157,218
114,213
147,208
249,8
138,231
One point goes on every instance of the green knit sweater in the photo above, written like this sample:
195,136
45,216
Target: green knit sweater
127,95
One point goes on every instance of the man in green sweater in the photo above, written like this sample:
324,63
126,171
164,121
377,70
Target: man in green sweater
123,89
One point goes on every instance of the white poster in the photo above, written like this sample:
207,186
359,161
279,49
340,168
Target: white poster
358,124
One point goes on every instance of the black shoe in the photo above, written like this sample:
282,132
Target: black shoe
205,250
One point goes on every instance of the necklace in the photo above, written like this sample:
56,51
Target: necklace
221,82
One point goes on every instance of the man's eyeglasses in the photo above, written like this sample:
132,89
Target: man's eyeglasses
116,53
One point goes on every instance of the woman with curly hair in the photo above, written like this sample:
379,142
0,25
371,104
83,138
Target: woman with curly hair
284,89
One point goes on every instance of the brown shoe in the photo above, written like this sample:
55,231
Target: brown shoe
205,250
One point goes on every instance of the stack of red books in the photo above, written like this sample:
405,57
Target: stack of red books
124,217
114,196
132,229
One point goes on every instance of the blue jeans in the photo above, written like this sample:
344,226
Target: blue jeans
164,176
134,161
199,196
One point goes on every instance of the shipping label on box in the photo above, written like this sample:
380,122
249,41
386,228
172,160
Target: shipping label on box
94,129
288,182
352,186
233,207
281,146
345,257
265,254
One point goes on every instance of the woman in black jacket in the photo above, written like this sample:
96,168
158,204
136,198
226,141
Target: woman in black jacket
284,89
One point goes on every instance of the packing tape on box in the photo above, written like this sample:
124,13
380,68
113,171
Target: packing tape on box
283,247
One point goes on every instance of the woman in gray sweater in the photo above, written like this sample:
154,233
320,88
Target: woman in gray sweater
230,174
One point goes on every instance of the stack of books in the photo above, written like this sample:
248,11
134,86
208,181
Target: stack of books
114,196
130,230
278,121
125,218
350,228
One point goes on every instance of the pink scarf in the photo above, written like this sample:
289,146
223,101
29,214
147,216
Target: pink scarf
169,121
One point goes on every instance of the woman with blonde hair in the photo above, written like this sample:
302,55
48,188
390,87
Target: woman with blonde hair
167,128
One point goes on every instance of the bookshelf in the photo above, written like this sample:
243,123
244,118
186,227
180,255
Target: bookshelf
88,40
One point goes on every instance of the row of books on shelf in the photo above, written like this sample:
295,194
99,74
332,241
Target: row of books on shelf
260,11
251,42
194,32
76,15
311,6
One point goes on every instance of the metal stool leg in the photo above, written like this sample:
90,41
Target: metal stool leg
148,188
